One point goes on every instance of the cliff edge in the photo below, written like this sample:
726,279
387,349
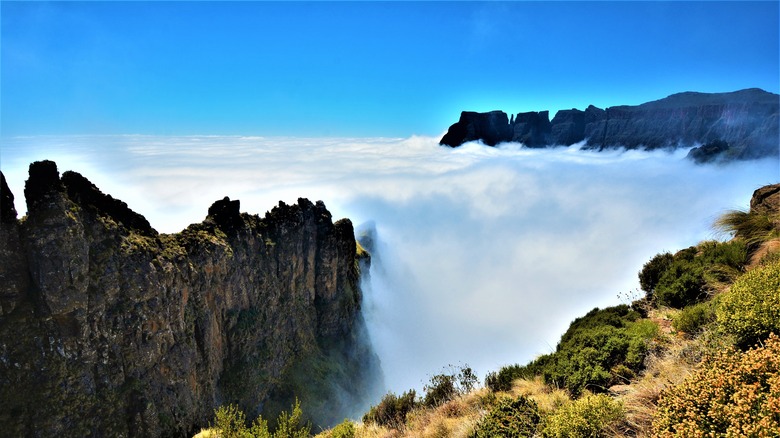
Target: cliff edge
737,125
108,328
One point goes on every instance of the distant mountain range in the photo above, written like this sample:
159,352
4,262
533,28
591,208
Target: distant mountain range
724,126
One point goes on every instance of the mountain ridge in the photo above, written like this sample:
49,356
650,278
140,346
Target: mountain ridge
745,120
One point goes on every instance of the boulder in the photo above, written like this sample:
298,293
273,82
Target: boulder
766,200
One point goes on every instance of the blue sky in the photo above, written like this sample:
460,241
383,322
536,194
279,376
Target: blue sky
361,68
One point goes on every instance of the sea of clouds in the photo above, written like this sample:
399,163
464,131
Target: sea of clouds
486,253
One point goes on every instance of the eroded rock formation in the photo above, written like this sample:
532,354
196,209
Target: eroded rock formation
108,328
746,121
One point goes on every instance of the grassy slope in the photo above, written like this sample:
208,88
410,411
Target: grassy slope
672,355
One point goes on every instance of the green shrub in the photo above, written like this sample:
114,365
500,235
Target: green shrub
345,429
509,418
616,316
751,309
446,386
732,253
652,270
723,261
289,425
691,273
590,352
589,416
502,380
693,318
441,389
392,410
230,422
681,284
732,394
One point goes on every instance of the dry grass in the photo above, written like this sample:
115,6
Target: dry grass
547,398
456,418
664,368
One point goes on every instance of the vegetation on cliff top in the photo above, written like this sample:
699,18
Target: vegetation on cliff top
697,355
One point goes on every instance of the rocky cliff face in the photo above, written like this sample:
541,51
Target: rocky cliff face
108,328
746,120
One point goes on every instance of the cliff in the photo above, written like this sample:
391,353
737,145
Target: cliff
108,328
746,121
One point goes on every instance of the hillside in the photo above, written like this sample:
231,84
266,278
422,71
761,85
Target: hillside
695,355
108,328
738,125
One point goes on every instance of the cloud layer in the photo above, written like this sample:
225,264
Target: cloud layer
486,253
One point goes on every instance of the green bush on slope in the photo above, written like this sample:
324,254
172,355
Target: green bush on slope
392,410
692,318
509,417
682,282
230,422
599,349
652,270
692,272
447,385
751,309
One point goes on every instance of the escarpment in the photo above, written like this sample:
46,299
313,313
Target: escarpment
108,328
737,125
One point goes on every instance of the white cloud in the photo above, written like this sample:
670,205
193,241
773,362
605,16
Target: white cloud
489,252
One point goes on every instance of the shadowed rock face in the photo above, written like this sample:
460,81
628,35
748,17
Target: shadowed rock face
746,120
108,328
766,200
7,208
492,128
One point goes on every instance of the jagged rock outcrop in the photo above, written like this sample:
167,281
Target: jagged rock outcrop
766,200
710,152
492,128
746,120
7,208
108,328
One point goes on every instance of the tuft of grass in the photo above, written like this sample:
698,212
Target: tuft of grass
754,228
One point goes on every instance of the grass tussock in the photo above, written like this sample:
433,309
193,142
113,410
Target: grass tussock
753,227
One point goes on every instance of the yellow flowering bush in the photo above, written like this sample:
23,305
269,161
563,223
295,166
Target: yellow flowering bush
733,394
